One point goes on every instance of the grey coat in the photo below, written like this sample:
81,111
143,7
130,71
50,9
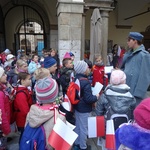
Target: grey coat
119,98
136,65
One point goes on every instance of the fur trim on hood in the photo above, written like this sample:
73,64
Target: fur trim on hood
133,137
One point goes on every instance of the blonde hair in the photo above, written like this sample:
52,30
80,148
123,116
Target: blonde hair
98,57
41,73
20,63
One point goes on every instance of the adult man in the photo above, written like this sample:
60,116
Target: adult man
136,63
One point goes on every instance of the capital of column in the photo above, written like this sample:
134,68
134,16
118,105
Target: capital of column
104,13
70,6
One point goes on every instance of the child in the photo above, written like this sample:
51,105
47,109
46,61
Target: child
41,73
84,107
116,98
65,73
136,135
34,64
23,100
54,54
43,112
12,75
99,73
4,103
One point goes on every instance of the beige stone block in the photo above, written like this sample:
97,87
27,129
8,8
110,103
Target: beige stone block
76,20
64,45
75,33
64,32
64,19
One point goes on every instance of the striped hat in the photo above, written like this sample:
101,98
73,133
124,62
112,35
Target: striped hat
46,90
80,67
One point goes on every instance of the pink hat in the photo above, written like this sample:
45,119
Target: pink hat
142,114
117,77
67,55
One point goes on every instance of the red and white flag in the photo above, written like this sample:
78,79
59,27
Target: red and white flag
61,137
77,82
66,103
96,126
110,135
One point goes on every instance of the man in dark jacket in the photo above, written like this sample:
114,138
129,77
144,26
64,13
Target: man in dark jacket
136,64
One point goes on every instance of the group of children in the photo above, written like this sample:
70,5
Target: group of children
47,79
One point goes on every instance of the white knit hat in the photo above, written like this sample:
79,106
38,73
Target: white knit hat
80,67
1,71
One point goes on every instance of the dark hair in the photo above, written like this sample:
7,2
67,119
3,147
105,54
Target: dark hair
22,76
89,63
34,56
65,61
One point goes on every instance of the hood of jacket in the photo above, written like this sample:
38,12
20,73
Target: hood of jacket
120,98
37,115
65,70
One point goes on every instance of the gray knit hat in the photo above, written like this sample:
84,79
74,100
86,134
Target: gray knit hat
46,90
80,67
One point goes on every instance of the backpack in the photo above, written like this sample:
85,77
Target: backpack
117,118
12,107
33,138
73,91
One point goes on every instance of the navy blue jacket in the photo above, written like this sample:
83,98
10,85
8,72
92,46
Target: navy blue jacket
86,97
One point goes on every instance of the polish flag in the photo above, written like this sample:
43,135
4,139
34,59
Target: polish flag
77,82
96,126
72,77
61,137
110,135
66,103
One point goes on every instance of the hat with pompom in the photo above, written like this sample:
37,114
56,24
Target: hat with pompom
117,77
142,114
46,90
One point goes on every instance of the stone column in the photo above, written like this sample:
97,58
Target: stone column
105,16
69,14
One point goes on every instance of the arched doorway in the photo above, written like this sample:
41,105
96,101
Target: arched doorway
29,34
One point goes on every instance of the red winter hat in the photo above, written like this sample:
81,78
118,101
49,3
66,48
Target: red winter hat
142,114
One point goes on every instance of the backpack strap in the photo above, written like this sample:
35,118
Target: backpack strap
22,91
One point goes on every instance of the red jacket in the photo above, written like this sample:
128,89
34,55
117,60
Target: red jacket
5,109
22,104
99,75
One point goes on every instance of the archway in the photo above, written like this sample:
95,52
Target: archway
30,37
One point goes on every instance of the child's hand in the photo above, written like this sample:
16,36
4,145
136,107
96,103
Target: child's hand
98,95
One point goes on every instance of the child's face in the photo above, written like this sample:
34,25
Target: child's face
27,81
98,60
53,68
69,64
24,67
35,59
53,53
87,72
